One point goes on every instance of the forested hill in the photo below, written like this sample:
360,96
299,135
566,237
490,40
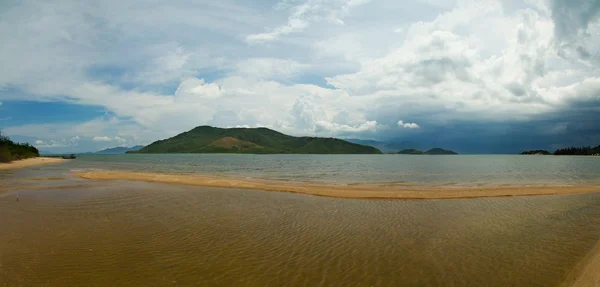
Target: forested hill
207,139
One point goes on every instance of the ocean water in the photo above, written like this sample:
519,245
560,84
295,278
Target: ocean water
450,169
60,230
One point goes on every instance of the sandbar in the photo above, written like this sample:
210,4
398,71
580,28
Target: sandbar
30,162
364,191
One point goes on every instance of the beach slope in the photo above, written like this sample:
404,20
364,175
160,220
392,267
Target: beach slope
587,271
30,162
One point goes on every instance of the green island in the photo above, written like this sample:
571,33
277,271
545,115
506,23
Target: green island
410,151
593,151
207,139
10,150
433,151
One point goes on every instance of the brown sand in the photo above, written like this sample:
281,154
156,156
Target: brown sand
587,271
343,191
30,162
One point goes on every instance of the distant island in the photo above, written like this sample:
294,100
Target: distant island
119,150
10,150
387,147
536,152
410,151
433,151
567,151
207,139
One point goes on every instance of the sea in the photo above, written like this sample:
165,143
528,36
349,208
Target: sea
61,230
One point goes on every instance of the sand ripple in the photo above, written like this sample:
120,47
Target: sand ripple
137,233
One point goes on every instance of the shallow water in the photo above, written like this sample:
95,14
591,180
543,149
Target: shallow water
454,169
64,231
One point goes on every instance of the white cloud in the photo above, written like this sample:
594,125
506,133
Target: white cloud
303,14
269,68
60,143
102,139
168,65
336,128
340,69
402,124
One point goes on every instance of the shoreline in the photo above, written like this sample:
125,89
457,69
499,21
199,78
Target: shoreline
356,191
30,162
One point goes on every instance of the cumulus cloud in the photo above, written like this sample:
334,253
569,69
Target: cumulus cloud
169,64
59,143
576,27
402,124
102,139
341,69
269,68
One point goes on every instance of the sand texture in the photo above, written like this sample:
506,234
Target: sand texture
398,191
587,271
30,162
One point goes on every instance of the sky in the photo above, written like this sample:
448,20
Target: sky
478,76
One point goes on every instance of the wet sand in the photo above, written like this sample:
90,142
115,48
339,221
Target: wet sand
587,272
181,235
365,191
30,162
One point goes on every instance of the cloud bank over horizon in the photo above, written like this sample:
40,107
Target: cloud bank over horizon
475,76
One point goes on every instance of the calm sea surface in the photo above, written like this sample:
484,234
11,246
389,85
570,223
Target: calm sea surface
65,231
461,169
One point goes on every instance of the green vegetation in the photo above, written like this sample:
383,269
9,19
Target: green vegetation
439,151
410,151
578,151
206,139
10,150
567,151
536,152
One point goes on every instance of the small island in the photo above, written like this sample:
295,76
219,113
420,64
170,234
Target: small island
433,151
207,139
410,151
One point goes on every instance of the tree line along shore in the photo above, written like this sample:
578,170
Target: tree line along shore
593,151
10,151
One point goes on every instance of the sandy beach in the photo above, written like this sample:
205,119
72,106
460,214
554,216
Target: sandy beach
383,191
30,162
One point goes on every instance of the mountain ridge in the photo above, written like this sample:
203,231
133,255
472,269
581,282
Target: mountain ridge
207,139
119,150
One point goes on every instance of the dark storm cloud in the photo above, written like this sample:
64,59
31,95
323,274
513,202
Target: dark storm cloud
572,16
571,20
